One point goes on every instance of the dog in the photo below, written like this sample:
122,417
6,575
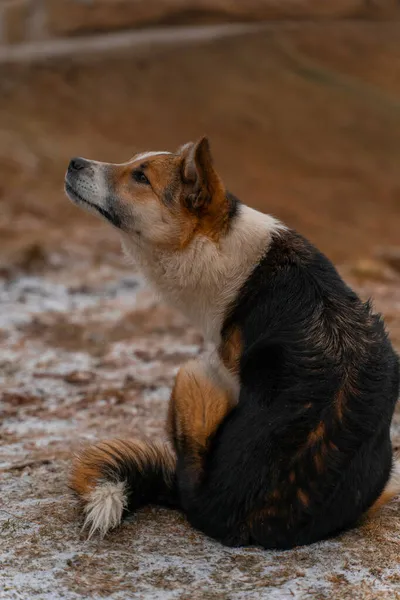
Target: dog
280,435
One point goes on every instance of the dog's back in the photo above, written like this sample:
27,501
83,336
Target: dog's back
319,382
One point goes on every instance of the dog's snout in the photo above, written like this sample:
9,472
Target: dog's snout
77,164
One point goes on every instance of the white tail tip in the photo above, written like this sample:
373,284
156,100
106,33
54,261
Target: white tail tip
104,507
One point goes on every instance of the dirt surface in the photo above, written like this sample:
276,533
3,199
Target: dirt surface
304,123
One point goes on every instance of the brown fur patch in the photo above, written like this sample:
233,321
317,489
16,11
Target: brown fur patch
171,423
230,350
384,498
196,409
161,171
86,470
91,465
391,490
215,223
276,494
292,476
197,406
303,497
261,515
347,389
204,194
316,435
319,463
316,444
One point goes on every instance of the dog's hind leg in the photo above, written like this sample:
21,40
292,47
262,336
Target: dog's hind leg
197,407
200,410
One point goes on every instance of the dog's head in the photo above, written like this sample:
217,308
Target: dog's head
162,198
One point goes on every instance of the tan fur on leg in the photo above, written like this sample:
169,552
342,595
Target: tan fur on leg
198,406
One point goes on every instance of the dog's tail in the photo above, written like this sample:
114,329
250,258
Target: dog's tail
116,477
392,488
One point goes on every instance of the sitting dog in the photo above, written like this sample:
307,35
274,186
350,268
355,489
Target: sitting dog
280,436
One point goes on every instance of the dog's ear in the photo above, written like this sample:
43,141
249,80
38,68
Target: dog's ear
198,174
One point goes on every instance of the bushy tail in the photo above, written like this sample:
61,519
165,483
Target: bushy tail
115,477
392,488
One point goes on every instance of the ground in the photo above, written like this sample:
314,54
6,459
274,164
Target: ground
309,133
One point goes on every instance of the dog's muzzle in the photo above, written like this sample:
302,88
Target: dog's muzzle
75,170
83,188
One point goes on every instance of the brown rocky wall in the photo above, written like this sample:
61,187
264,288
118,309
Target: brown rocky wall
29,20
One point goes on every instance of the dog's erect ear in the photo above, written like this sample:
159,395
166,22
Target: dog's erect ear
198,174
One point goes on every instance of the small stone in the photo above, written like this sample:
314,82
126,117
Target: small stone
80,377
372,269
144,355
391,256
19,398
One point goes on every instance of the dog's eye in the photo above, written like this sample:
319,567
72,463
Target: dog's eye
140,177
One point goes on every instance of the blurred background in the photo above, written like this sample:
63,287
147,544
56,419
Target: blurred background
301,101
302,115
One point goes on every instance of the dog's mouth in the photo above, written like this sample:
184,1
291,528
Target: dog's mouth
75,196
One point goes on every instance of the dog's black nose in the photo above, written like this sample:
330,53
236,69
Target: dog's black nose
77,164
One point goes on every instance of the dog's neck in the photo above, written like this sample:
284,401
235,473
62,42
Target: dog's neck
202,280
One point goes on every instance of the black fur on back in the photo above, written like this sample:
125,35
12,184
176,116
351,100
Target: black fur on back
307,449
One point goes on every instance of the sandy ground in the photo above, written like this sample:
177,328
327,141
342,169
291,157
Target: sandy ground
309,133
